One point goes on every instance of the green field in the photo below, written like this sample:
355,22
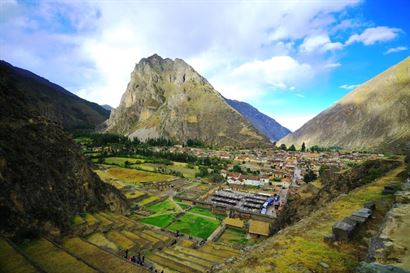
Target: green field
183,205
233,236
202,211
161,221
165,206
194,225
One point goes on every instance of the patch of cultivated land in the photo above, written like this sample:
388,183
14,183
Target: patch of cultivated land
301,247
161,221
53,259
195,225
233,236
166,206
11,261
131,176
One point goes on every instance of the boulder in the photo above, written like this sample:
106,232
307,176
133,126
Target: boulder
343,231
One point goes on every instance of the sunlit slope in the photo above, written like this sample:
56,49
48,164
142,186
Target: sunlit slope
375,115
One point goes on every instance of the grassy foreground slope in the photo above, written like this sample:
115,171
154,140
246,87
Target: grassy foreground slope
301,247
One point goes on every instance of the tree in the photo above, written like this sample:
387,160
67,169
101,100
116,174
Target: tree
283,147
303,147
216,177
237,168
309,176
203,171
292,148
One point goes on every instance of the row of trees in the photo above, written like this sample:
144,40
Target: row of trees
314,148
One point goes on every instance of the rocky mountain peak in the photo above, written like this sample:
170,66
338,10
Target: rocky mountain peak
168,98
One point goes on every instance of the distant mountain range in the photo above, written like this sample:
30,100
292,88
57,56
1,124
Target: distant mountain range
168,98
52,100
375,115
263,123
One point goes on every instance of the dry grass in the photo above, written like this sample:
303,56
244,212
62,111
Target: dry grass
100,259
99,239
11,261
53,259
131,176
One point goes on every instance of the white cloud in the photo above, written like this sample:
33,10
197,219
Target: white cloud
216,38
349,86
319,42
373,35
256,78
293,122
395,49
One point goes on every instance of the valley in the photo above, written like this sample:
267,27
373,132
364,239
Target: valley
180,179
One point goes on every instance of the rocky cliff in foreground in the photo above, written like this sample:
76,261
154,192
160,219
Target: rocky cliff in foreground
375,115
53,101
263,123
44,178
168,98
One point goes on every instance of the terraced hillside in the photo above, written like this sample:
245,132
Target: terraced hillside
99,242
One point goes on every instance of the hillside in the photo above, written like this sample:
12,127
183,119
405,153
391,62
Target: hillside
53,101
44,178
263,123
168,98
375,115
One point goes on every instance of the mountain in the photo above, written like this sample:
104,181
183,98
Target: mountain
53,101
375,115
263,123
44,178
168,98
107,107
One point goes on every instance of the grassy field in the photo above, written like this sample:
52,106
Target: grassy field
161,221
202,211
100,240
194,225
11,261
134,194
148,200
98,258
53,259
131,176
233,236
165,206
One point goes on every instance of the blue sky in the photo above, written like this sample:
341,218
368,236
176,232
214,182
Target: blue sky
290,59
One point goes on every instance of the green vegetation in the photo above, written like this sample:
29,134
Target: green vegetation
161,221
234,237
309,176
165,206
202,211
193,225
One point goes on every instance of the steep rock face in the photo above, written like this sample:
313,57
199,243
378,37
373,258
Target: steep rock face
263,123
167,98
53,101
44,178
375,115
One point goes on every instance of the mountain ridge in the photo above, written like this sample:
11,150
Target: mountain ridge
263,123
53,101
373,116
